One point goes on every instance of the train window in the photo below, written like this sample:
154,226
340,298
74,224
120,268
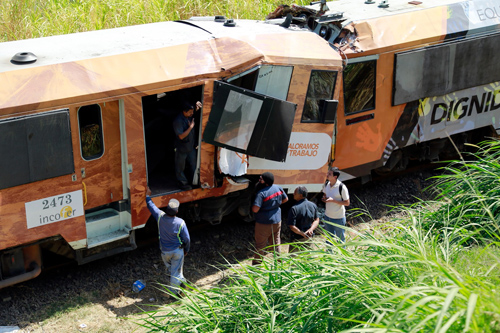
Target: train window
91,138
321,88
35,148
268,80
246,79
274,81
441,69
359,87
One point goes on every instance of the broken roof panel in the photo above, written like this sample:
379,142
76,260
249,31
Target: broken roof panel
403,23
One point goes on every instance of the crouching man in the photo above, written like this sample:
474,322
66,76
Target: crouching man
302,218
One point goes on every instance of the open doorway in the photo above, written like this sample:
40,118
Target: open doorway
159,113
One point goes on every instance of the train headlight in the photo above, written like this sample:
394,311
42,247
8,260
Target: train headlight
323,31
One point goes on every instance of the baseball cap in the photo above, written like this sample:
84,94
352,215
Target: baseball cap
268,178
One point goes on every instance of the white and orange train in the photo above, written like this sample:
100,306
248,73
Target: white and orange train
86,119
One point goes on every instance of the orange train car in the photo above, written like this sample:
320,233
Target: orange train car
86,119
417,76
86,125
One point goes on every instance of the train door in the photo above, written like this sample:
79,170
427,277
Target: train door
359,121
159,113
103,172
320,107
249,123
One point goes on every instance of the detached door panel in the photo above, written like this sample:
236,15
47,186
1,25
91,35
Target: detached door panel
247,122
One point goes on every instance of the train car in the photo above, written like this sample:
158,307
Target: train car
420,79
86,119
86,126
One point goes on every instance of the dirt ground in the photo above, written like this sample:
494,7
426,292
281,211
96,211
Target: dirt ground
97,297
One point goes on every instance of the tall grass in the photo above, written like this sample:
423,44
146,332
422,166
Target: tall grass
405,276
22,19
470,194
398,280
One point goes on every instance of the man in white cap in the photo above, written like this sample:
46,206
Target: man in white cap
174,239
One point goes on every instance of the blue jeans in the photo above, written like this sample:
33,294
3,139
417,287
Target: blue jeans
180,165
331,227
174,260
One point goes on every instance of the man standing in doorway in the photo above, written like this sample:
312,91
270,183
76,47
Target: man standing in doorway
267,215
336,198
185,145
174,239
303,217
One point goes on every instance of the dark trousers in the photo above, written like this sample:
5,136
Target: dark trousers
180,165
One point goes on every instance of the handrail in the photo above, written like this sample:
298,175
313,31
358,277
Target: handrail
84,193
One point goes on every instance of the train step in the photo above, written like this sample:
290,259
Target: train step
84,256
105,226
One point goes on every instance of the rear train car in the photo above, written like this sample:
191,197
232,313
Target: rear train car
420,79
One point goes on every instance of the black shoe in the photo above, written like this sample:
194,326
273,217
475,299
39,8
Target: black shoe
186,187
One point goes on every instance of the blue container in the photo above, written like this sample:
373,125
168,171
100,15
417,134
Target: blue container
138,285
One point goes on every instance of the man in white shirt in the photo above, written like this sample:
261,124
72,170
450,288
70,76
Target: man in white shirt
336,198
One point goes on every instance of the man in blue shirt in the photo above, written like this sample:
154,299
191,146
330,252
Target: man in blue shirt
267,215
184,145
174,239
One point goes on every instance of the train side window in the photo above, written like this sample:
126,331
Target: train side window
359,87
269,80
35,147
320,89
91,137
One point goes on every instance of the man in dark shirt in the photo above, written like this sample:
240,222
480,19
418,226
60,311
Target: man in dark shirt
185,144
303,217
267,215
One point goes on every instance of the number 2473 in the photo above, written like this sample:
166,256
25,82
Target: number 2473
58,201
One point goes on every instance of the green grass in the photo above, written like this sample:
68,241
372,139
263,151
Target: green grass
413,274
397,281
22,19
470,195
